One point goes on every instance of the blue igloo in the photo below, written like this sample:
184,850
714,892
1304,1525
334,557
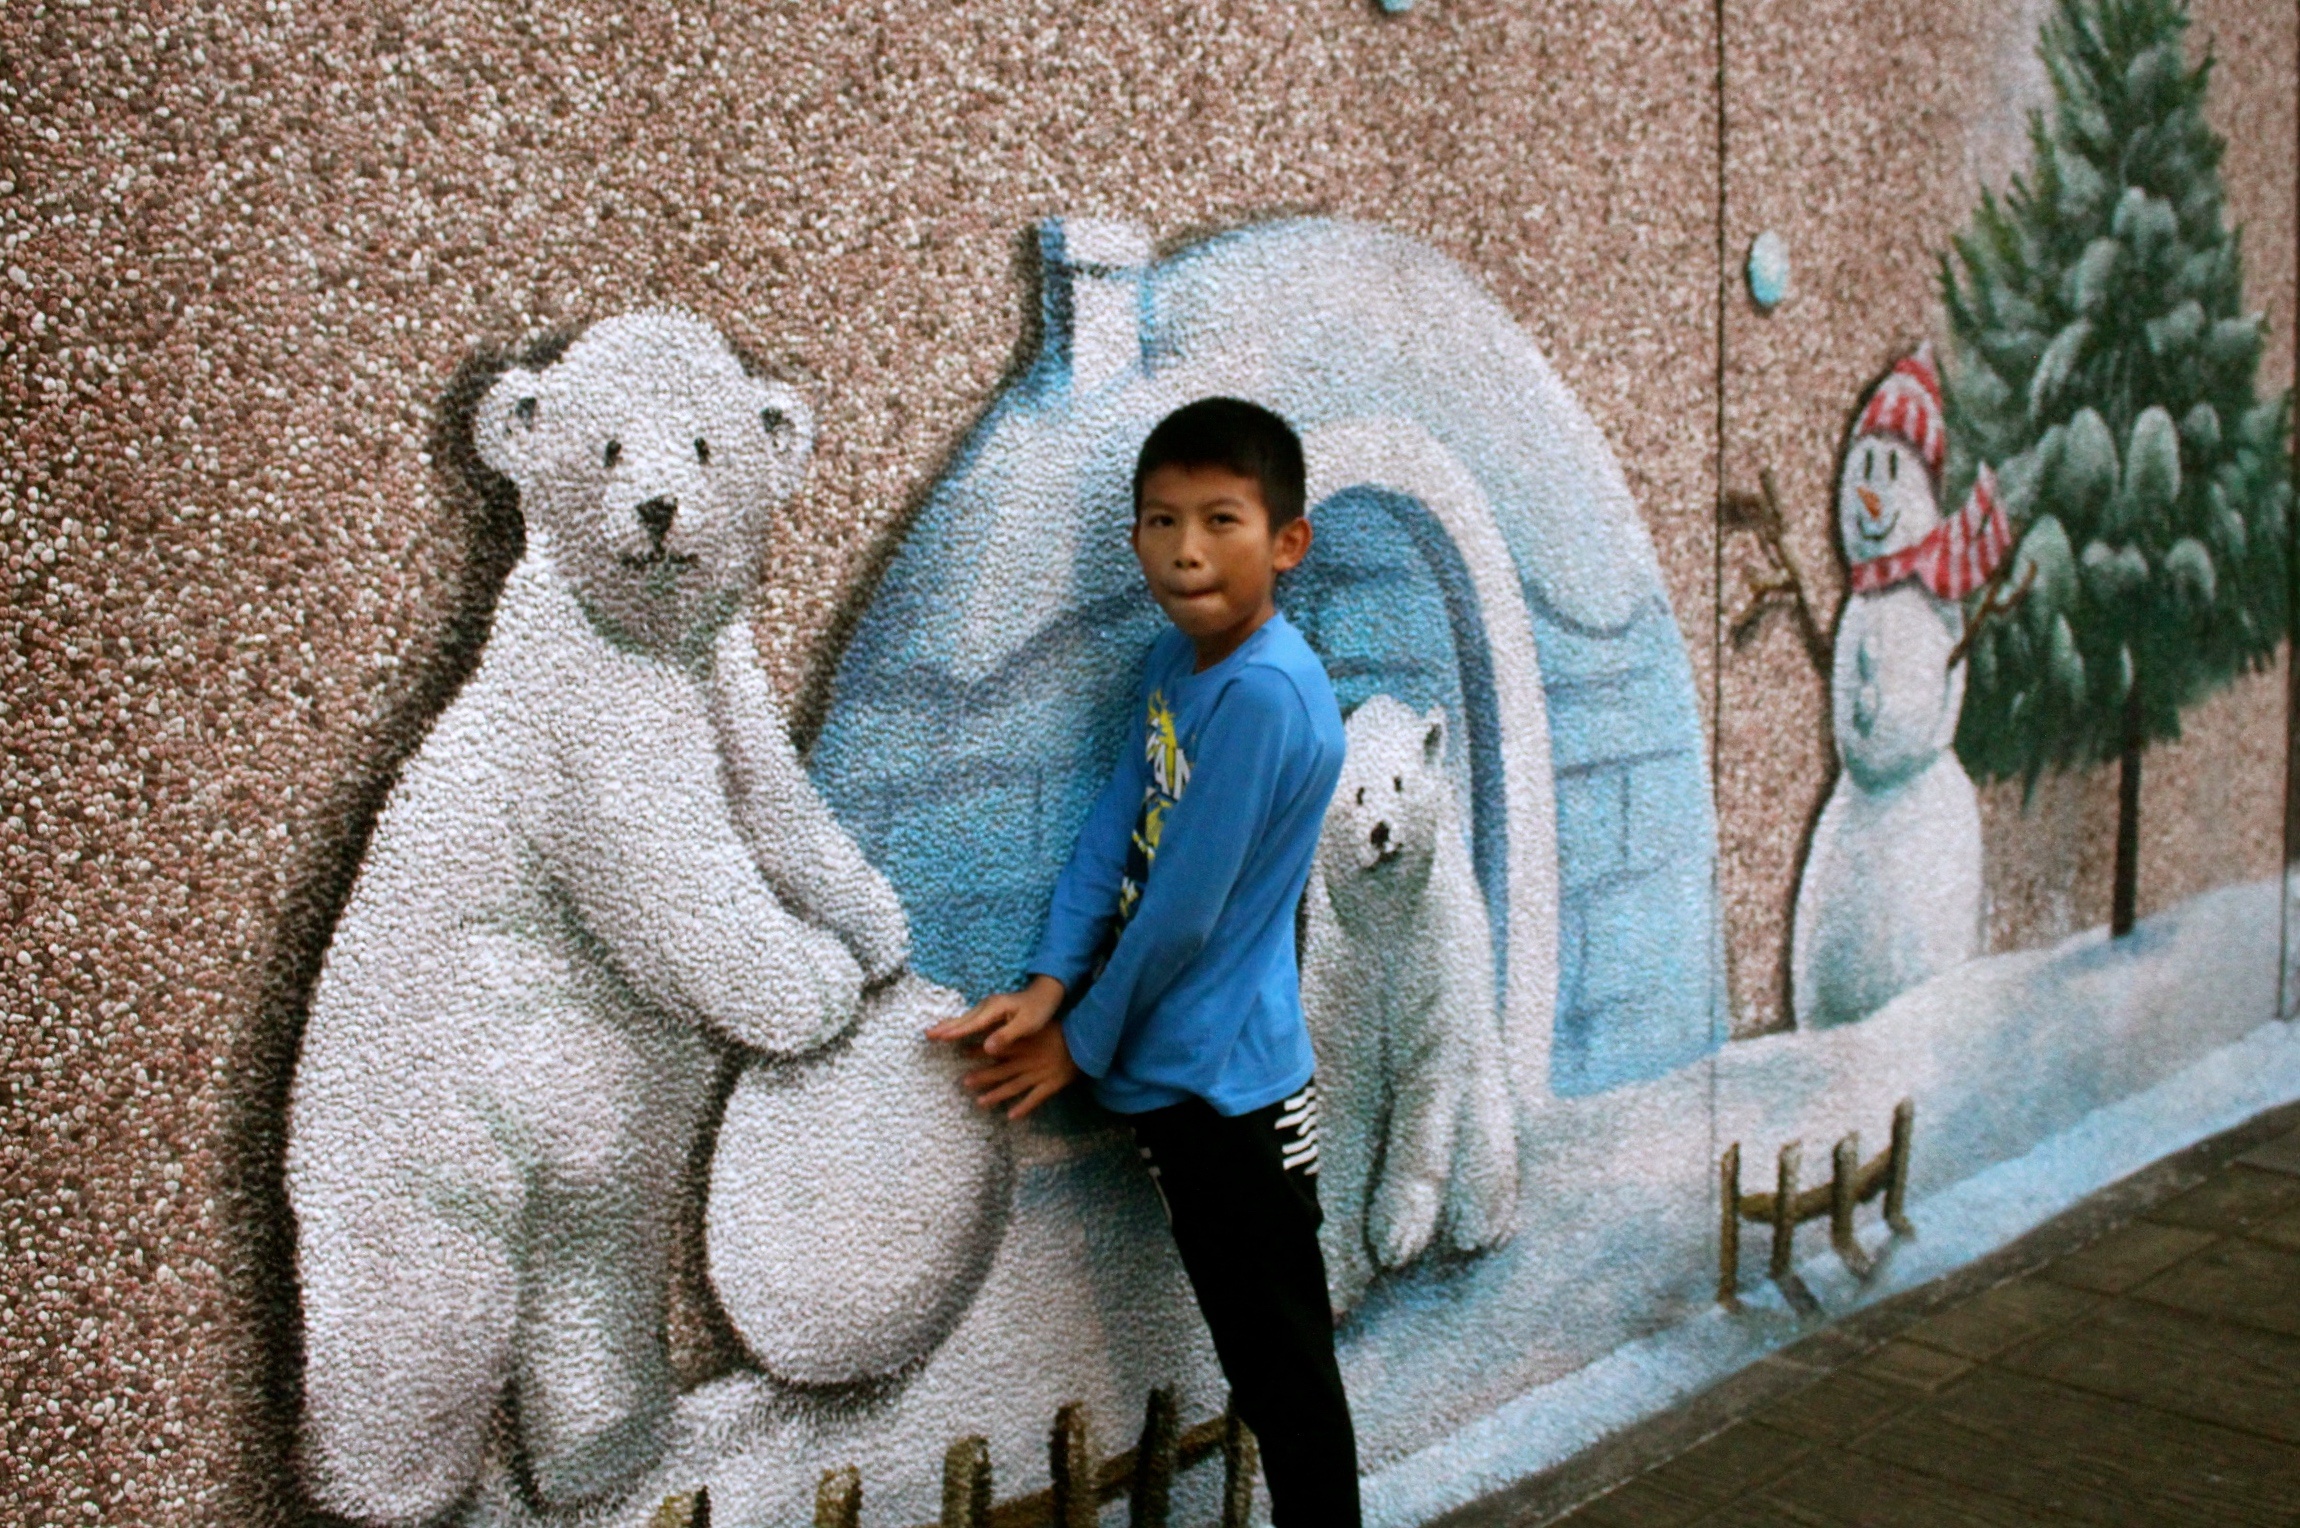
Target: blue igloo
1477,549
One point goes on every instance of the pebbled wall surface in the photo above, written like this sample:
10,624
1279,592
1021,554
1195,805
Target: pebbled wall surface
247,249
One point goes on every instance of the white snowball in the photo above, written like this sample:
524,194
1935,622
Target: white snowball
857,1198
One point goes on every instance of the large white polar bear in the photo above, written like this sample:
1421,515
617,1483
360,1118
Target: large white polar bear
1417,1121
603,862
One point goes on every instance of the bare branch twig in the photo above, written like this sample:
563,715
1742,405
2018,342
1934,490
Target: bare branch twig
1761,514
1994,602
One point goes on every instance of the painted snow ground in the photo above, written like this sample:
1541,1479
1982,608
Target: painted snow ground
2039,1076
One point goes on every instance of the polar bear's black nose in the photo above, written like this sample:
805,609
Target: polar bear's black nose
1381,835
656,515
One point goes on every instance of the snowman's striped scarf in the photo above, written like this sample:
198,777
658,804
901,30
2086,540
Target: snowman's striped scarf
1957,558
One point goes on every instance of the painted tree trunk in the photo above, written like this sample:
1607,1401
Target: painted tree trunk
2126,895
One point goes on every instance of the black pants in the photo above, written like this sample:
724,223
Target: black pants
1242,1194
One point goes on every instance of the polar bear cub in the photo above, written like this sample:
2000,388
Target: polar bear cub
604,860
1419,1125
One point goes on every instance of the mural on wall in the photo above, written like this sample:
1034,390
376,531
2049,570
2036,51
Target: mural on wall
1891,890
607,874
609,892
605,870
463,1061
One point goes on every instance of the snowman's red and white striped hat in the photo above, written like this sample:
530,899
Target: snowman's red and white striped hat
1907,404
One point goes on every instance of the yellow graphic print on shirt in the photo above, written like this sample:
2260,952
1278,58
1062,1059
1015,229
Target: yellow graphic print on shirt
1169,774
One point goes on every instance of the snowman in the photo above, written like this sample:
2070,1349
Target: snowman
1891,891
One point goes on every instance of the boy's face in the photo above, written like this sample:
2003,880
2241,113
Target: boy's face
1202,535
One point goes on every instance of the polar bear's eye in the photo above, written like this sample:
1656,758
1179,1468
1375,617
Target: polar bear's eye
1398,784
702,451
613,453
1361,795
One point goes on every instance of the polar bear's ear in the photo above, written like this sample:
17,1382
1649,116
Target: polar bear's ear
1433,741
505,428
788,422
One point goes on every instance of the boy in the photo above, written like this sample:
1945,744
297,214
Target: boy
1167,971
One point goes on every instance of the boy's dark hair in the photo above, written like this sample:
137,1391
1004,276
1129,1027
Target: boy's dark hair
1236,436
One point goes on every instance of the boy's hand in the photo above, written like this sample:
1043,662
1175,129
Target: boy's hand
1031,1061
1029,1070
1008,1017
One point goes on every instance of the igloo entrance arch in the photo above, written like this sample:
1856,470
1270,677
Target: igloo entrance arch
1411,595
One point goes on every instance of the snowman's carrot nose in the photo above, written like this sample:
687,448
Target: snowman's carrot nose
1869,501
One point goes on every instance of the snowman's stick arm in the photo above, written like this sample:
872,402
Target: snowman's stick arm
1766,595
1994,602
1817,646
1762,513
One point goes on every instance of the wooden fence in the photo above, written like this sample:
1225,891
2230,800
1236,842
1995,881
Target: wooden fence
1142,1476
1851,1182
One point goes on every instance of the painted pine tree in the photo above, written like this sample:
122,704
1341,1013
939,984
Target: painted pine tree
2104,365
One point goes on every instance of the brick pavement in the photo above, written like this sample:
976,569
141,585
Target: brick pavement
2134,1361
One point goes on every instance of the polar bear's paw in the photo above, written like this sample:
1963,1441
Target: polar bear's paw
1481,1209
1481,1194
1403,1218
1350,1267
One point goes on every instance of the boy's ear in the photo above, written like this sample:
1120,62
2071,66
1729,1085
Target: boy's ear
1291,544
505,429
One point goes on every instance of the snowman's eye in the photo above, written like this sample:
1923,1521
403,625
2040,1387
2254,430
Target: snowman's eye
702,451
1893,465
1361,795
1869,464
1398,784
613,453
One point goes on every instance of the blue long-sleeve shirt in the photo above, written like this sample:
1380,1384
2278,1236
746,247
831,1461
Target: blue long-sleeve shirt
1194,857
